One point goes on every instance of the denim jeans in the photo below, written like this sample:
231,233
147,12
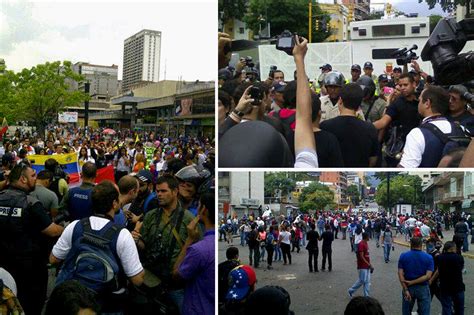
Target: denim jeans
364,280
386,251
420,293
277,253
465,246
242,238
177,296
447,301
262,253
377,238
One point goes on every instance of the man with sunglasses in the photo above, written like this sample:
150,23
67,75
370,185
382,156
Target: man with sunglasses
23,226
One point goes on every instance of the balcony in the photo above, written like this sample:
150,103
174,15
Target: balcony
453,194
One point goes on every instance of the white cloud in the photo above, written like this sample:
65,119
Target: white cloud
95,32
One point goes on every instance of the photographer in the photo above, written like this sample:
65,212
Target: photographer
59,183
458,110
401,115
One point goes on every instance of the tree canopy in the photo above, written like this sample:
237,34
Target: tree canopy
448,5
401,189
283,15
354,194
316,197
38,94
231,9
278,181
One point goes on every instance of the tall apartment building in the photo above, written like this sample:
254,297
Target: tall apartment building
102,79
141,58
360,9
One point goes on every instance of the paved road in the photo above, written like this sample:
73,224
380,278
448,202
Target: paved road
326,292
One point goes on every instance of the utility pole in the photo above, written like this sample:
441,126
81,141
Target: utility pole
86,104
310,15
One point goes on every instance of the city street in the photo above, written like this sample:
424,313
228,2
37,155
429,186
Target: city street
326,292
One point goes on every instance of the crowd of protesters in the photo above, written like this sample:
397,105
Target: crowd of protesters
139,243
272,237
398,118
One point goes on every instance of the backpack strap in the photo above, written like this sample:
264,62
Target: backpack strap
437,132
372,102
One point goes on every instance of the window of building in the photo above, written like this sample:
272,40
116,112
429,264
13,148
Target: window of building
388,30
241,30
362,32
415,30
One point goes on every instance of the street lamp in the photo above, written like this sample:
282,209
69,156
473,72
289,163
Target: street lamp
414,192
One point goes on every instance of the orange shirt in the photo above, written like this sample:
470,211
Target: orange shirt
138,167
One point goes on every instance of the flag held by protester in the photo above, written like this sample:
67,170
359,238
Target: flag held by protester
67,161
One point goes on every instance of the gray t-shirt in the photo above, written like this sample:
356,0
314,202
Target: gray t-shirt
387,237
48,199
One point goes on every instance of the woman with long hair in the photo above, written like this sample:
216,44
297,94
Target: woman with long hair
121,163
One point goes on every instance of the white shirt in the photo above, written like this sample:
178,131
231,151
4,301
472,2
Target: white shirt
306,158
126,248
415,144
285,237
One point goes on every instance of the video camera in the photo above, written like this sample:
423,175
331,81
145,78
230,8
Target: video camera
248,61
442,48
405,56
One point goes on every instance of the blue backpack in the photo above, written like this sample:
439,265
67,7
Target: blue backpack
93,259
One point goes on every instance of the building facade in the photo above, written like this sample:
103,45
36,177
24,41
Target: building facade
141,58
358,9
337,182
240,193
339,21
103,80
169,108
453,191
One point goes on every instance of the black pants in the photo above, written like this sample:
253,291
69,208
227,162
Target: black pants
295,244
313,259
327,253
285,249
270,251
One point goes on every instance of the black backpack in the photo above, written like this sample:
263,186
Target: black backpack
358,229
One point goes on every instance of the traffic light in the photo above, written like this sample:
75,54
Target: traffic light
350,16
317,25
388,8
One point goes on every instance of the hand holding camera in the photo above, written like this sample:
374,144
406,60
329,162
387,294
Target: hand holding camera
246,101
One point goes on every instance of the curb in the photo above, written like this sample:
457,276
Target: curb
470,256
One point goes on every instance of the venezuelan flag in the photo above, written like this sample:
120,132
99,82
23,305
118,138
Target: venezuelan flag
67,161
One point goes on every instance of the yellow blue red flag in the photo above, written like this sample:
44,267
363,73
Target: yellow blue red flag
67,161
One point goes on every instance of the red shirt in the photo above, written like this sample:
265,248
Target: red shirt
363,249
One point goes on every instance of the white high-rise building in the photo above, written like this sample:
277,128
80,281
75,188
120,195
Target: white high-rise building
141,58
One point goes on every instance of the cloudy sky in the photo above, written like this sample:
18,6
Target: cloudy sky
34,32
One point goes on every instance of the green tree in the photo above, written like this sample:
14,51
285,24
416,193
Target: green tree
434,19
39,93
231,9
375,15
354,194
283,15
402,188
278,181
316,197
449,5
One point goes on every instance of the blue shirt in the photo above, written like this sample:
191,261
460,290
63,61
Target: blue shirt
415,263
120,218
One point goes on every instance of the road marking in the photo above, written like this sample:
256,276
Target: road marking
290,276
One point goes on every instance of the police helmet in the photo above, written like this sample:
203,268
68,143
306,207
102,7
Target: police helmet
199,176
367,85
334,78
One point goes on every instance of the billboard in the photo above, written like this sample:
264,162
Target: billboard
184,107
67,117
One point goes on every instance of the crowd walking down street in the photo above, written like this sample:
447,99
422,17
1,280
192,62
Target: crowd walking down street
426,274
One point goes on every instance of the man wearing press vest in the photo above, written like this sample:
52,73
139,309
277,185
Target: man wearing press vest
77,204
